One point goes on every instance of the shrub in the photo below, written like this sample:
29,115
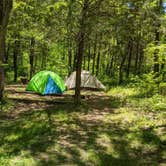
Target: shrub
162,88
148,85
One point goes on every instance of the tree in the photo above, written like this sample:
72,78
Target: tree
81,40
5,8
159,11
112,38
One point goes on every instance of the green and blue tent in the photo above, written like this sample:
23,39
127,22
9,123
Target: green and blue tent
45,83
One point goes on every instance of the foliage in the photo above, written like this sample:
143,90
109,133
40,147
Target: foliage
115,29
162,88
6,105
123,43
147,84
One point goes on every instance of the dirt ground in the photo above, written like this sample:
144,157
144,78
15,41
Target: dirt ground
104,131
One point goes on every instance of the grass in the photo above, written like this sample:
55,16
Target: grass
117,128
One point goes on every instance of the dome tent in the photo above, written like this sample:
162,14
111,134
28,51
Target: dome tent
46,82
88,81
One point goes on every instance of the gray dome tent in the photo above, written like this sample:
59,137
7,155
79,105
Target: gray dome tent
88,81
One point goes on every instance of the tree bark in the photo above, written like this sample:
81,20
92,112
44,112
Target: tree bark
121,69
156,52
110,69
7,52
94,54
98,59
74,59
129,59
81,39
140,60
122,64
84,61
69,57
89,55
44,57
137,57
31,56
159,11
2,52
69,34
110,62
15,58
5,8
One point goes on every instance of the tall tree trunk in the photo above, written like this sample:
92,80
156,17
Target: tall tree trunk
84,61
98,59
89,55
162,68
159,11
35,64
129,58
69,34
98,56
44,58
69,57
110,69
94,54
5,8
31,56
140,60
122,64
156,52
15,58
74,59
121,69
7,53
110,61
137,57
81,39
2,52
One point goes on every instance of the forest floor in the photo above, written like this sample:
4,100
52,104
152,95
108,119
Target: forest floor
117,128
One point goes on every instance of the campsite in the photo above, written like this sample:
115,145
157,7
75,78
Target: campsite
82,83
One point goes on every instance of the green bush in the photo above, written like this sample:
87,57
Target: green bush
154,103
4,161
147,85
162,88
157,103
6,105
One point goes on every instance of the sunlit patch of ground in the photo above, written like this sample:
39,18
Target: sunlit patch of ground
108,129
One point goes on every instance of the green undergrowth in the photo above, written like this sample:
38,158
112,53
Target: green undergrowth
132,97
118,128
6,105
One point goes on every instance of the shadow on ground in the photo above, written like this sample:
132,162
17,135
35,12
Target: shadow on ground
43,133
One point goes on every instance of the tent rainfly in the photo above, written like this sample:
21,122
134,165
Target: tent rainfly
45,83
88,81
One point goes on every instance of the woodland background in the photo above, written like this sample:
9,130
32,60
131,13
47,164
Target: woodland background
123,41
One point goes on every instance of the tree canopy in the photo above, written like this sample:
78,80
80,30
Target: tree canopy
115,40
